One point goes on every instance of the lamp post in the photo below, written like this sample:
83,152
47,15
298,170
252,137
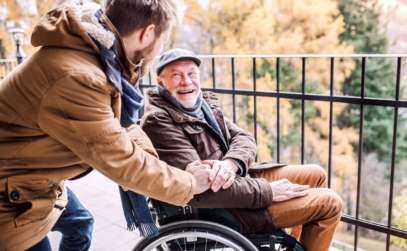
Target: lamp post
18,37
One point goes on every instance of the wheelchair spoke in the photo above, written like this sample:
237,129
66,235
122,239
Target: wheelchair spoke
165,247
179,245
195,244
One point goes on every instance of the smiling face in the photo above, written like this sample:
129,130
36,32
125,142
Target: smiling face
181,79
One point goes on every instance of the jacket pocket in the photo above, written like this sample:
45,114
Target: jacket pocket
193,129
34,196
196,135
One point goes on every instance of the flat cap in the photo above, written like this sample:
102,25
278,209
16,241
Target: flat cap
173,55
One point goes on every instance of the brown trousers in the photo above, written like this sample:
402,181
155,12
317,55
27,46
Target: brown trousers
318,212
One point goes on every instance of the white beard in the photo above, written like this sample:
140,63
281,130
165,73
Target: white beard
185,103
188,104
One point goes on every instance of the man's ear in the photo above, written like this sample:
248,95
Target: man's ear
147,35
160,81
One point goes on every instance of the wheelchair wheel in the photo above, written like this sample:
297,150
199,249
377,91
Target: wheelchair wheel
279,241
287,243
195,235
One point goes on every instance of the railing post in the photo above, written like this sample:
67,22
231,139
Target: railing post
393,152
303,60
331,93
233,89
278,107
254,99
360,152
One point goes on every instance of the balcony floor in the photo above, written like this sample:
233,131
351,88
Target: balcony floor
101,197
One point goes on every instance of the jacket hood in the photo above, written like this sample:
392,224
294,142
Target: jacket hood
72,26
75,26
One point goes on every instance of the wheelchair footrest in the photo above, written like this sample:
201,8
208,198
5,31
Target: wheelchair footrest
265,242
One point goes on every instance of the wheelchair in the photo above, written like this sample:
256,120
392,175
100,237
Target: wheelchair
190,229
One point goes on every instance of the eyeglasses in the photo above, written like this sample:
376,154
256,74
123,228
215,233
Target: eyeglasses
178,77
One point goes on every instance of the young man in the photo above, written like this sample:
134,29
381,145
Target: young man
71,108
186,125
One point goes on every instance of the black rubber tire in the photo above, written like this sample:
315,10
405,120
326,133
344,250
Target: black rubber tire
198,226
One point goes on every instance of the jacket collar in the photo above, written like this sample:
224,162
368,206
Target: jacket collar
176,115
86,14
131,70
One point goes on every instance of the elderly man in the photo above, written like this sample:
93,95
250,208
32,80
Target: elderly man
187,125
72,107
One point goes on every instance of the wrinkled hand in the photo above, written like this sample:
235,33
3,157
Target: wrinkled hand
201,172
285,190
223,173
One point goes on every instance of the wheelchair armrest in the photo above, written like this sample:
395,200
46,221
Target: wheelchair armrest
167,213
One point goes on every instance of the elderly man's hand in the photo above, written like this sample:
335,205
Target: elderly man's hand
201,173
223,173
285,190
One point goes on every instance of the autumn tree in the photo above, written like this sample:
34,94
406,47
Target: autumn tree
363,30
271,27
400,217
24,14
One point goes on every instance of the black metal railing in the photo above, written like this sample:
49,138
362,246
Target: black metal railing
6,66
330,98
362,101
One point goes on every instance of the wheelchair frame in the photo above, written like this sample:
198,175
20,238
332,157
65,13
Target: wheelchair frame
190,231
190,235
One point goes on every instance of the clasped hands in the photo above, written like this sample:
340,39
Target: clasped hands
216,174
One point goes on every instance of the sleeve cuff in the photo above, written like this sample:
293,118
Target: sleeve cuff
190,194
241,170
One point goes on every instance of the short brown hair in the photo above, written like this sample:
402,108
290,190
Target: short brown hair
130,15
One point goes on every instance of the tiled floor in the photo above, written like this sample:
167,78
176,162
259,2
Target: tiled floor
101,197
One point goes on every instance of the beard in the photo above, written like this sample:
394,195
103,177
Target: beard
144,59
189,103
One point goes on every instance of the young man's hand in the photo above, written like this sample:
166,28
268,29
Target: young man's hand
201,173
285,190
223,173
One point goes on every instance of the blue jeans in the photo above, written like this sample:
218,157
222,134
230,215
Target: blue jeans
75,225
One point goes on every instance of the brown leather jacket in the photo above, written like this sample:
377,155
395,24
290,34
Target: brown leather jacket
59,117
180,139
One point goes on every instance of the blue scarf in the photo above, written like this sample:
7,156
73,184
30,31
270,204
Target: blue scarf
134,205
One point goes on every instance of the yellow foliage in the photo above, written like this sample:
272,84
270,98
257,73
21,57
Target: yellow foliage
271,27
19,16
400,217
274,27
263,152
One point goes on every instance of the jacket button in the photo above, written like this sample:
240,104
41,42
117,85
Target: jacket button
14,195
